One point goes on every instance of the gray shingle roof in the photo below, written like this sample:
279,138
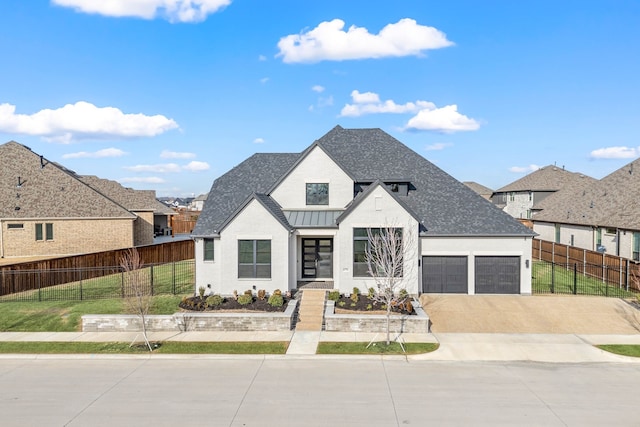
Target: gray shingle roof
255,175
444,205
48,190
614,201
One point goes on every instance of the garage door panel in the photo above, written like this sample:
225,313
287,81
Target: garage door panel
444,274
497,275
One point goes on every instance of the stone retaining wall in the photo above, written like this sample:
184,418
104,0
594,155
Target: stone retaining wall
418,323
193,321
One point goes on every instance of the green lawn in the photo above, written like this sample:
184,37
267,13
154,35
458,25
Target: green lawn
623,349
169,347
177,277
563,282
65,316
375,348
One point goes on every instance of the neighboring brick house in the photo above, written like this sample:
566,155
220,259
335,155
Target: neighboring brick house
604,216
520,199
49,210
277,220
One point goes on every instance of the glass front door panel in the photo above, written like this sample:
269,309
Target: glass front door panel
317,258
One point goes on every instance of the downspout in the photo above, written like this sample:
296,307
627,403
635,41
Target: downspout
1,240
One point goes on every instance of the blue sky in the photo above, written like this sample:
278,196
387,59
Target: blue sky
170,94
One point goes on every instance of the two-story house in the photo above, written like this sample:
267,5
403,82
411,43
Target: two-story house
278,220
603,216
520,198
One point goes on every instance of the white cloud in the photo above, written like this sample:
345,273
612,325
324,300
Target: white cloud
166,154
428,116
369,103
264,80
81,121
196,166
318,88
258,141
107,152
161,168
329,41
445,119
616,153
438,146
143,179
172,10
524,169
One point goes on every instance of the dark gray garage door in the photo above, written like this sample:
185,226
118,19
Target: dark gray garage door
444,274
498,275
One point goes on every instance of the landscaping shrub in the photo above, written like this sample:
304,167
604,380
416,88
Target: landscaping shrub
262,294
214,300
248,292
355,294
245,299
334,295
277,292
276,300
371,293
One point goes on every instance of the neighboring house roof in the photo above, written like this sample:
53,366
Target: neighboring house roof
443,205
34,187
162,209
485,192
548,178
614,201
133,200
200,198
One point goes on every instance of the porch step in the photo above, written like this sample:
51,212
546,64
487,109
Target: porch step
311,310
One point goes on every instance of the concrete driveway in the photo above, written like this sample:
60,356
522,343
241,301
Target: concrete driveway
530,314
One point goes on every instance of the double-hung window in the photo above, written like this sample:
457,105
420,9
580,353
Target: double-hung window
254,259
382,247
48,231
208,250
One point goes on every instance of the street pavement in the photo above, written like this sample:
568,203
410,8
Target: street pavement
311,391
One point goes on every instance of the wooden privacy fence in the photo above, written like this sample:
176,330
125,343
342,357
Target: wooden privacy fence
608,268
57,271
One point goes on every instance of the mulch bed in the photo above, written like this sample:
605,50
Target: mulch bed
230,304
367,305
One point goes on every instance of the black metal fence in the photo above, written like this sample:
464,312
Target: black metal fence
582,279
174,278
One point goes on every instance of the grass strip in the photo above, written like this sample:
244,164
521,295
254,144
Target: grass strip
632,350
374,348
169,347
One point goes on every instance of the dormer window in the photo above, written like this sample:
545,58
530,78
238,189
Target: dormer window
317,194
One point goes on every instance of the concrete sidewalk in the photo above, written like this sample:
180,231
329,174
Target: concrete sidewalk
555,348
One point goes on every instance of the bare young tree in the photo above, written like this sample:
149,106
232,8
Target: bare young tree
137,289
385,257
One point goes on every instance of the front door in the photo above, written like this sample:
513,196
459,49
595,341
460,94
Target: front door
317,258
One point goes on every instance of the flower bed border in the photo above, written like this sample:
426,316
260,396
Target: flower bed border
194,321
362,322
